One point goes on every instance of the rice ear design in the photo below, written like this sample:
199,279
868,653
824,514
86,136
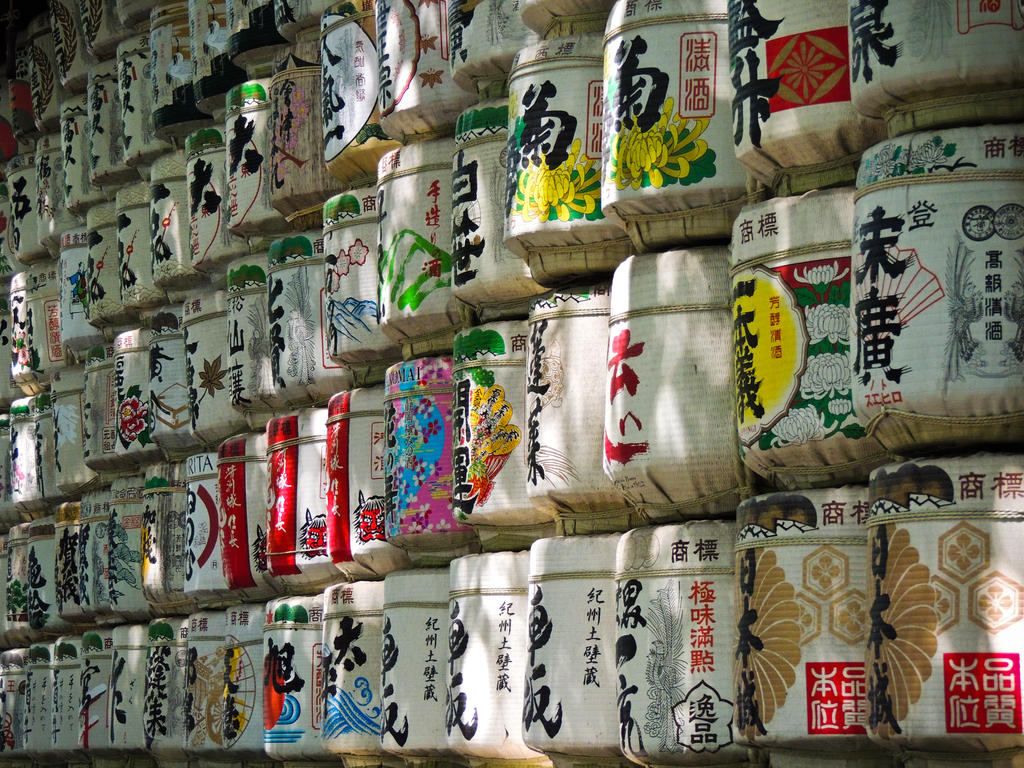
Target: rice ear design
65,38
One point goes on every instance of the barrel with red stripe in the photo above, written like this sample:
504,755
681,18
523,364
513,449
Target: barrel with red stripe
297,501
356,535
204,577
242,487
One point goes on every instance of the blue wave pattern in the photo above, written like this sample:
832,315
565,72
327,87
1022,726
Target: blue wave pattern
352,713
290,713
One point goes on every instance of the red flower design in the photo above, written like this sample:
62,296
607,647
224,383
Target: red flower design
132,415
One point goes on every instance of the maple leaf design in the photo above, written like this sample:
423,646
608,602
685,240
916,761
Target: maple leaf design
430,78
211,378
428,43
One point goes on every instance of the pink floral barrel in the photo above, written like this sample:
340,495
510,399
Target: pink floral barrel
418,463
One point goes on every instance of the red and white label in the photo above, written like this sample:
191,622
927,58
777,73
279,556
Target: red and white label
836,697
983,692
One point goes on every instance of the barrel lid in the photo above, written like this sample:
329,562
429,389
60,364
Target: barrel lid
40,653
65,380
478,346
243,274
795,516
21,163
73,107
672,282
583,50
489,573
303,609
916,157
200,465
17,535
170,165
132,195
101,215
569,555
301,246
203,305
355,402
581,301
133,45
99,640
67,647
489,118
251,93
68,513
41,526
99,356
21,408
341,13
203,140
170,630
777,227
422,156
410,376
695,547
354,597
352,206
165,321
952,488
249,447
426,587
130,341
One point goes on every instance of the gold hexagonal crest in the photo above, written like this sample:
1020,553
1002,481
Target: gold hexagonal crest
963,552
995,602
846,617
810,618
826,571
947,603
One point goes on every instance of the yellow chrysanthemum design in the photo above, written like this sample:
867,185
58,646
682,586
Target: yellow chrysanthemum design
669,152
565,192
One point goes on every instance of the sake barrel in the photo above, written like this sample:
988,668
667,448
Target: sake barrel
135,249
72,57
66,688
44,439
416,93
243,694
79,192
553,195
43,616
6,257
414,656
211,244
105,307
293,16
945,619
213,74
175,112
242,494
253,37
19,91
296,502
38,722
418,514
206,369
484,41
488,610
53,218
299,181
247,133
546,17
794,394
127,687
414,204
99,414
164,536
41,326
568,711
102,28
204,684
169,224
124,549
356,531
168,385
67,527
45,89
303,370
135,417
293,678
564,451
9,514
354,336
13,663
796,128
669,170
135,91
23,187
353,620
21,353
675,691
107,166
926,74
670,330
77,333
9,390
486,275
67,390
935,226
352,136
204,574
28,475
488,451
17,585
97,658
251,387
163,700
803,563
3,609
93,543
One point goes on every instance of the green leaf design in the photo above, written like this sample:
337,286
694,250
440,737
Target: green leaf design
854,431
805,297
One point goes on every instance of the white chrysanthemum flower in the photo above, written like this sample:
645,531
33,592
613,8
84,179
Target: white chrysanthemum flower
828,321
801,425
826,376
822,274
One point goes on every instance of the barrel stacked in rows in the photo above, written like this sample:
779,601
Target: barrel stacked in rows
319,301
